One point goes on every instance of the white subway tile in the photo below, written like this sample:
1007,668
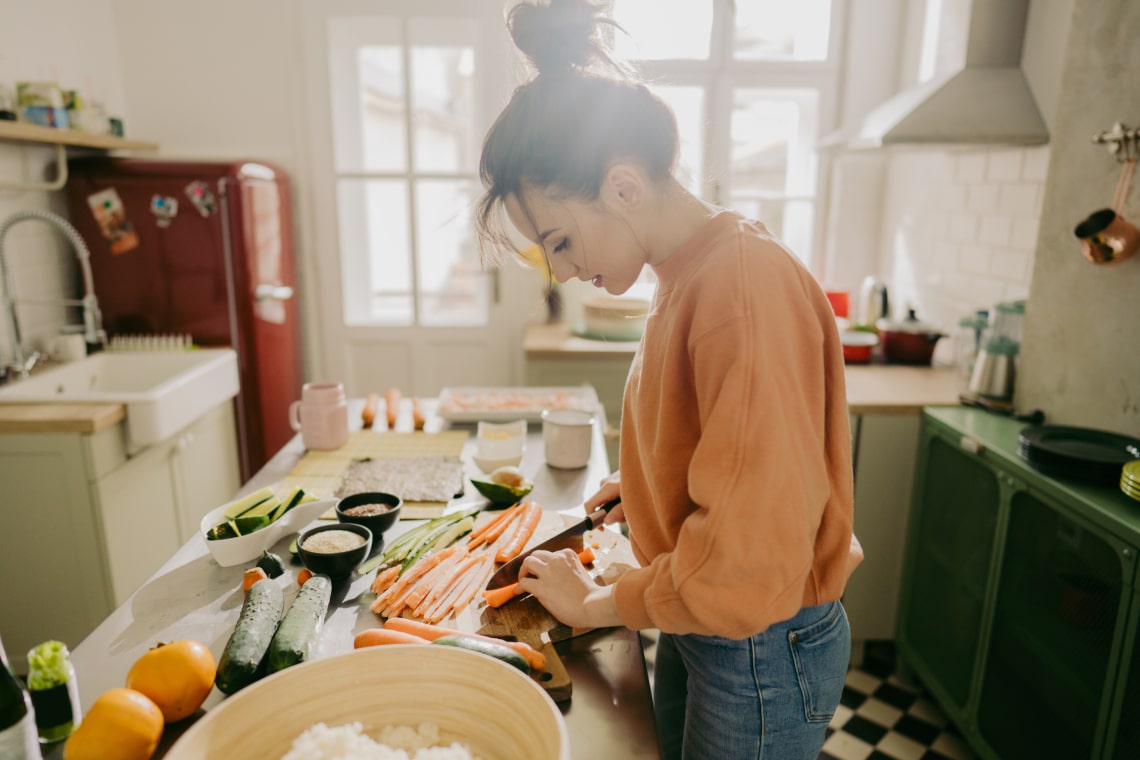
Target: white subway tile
986,289
963,228
946,254
1024,233
1035,167
995,230
982,198
936,226
1010,265
953,198
1018,199
971,167
975,259
1017,291
958,284
1004,166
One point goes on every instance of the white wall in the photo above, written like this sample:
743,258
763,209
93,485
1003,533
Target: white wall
74,43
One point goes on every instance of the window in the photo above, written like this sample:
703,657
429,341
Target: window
752,83
406,151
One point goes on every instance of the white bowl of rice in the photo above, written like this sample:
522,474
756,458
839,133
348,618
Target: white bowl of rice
395,702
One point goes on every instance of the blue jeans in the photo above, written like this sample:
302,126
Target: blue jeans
768,697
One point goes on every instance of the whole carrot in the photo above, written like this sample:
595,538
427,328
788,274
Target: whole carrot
430,632
392,402
418,418
372,637
368,414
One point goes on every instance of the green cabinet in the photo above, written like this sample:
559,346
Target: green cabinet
1018,610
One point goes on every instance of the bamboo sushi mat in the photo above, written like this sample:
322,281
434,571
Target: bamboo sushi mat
320,472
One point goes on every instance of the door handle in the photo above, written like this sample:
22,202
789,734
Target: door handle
266,292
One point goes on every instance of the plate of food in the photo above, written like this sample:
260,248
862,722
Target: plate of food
475,404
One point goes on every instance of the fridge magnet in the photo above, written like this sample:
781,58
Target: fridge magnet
164,208
107,208
201,197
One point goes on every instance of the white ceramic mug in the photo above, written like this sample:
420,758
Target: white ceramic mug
321,416
566,437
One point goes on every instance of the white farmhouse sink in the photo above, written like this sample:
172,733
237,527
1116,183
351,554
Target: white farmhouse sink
163,391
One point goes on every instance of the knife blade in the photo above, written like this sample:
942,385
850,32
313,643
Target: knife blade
571,538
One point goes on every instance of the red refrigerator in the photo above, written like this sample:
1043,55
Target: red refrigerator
203,249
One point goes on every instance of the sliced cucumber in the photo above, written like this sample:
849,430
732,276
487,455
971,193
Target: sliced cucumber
246,503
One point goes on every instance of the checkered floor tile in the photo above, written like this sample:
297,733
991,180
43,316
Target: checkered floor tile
882,718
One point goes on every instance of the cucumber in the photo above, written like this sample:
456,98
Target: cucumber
500,652
264,509
243,505
398,550
298,630
250,639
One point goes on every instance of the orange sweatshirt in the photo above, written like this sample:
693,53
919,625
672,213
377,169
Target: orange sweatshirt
736,475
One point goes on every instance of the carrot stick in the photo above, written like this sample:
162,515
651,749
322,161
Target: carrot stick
392,402
415,592
412,576
468,593
475,574
418,593
368,415
385,579
523,531
474,539
439,589
418,418
536,658
500,596
377,636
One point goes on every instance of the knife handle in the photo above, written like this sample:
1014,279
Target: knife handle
598,515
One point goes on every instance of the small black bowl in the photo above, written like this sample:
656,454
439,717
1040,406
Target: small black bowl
377,523
336,564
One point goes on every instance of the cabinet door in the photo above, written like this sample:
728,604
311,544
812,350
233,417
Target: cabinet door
140,527
1124,726
1055,618
204,464
951,543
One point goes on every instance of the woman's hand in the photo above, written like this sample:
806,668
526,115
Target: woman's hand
608,490
564,587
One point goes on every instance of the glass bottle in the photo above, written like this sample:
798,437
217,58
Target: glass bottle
54,692
19,739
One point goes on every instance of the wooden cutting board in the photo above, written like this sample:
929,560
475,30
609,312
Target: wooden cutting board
524,619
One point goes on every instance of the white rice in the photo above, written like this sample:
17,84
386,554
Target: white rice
322,742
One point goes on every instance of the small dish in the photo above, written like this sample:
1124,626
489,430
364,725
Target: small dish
495,441
490,465
228,552
334,564
378,522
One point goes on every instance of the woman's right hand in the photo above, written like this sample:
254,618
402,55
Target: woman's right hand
608,490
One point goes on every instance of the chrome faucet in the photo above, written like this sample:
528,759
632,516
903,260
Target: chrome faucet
92,318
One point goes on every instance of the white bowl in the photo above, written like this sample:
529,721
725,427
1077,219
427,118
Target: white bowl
500,440
615,318
490,465
491,708
235,551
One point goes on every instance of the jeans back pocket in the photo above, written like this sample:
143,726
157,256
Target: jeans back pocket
821,652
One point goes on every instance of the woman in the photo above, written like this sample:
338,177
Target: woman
736,477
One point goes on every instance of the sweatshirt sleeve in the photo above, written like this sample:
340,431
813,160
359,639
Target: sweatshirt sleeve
758,478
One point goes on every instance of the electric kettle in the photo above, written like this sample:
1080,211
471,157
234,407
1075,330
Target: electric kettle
873,301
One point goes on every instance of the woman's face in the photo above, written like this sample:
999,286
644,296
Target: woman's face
587,240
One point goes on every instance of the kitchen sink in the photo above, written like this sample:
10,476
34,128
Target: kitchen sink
163,391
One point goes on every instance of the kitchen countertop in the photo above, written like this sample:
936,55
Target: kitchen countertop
59,418
871,388
191,597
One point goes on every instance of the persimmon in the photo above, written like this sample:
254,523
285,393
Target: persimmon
177,677
122,724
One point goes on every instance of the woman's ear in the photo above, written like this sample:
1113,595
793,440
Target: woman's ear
623,187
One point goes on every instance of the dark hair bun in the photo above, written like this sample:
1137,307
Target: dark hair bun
558,35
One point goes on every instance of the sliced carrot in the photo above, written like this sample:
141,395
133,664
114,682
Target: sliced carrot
477,535
385,579
523,531
418,418
500,596
303,575
536,658
493,535
454,573
397,589
586,556
472,586
368,414
372,637
252,576
392,402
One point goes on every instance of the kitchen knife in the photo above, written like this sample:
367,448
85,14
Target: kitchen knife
571,538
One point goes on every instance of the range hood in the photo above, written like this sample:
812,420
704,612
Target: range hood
987,101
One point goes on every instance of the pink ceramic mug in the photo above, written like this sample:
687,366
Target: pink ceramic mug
321,416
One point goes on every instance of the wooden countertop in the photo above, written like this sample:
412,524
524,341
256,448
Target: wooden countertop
871,388
59,418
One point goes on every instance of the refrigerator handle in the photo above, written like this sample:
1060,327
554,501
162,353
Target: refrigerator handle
266,292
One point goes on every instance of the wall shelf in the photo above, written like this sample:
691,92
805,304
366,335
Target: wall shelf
61,140
17,131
